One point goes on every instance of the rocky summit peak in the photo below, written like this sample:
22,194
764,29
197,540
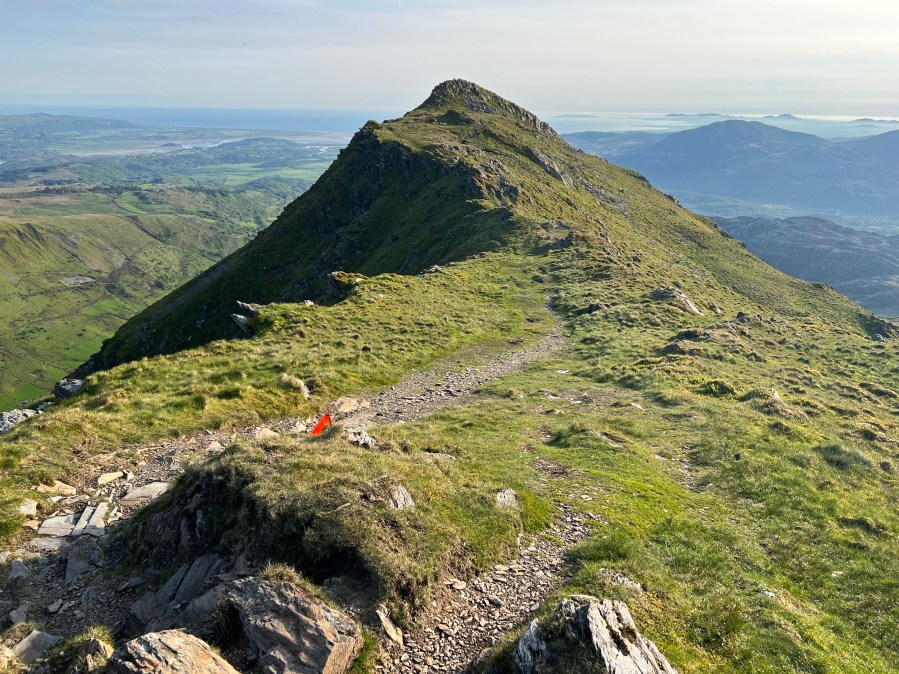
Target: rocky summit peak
477,99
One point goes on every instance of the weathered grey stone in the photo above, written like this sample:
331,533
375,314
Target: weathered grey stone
11,419
249,308
244,323
168,652
158,610
400,498
200,571
20,614
608,627
392,631
68,388
605,627
83,519
148,492
96,525
531,649
359,437
346,405
507,498
75,568
266,434
34,646
28,507
106,478
293,631
61,525
80,557
200,609
18,574
48,544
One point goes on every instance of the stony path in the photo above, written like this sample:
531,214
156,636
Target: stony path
65,586
422,393
471,617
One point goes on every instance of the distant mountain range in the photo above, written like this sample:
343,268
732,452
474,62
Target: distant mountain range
756,163
863,265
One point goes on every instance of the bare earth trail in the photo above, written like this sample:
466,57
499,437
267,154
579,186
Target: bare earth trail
67,596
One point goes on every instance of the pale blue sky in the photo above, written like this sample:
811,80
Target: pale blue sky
800,56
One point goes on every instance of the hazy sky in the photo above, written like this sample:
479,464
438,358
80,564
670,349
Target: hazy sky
800,56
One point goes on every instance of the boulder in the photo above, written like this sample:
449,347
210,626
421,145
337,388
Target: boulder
532,649
357,436
249,308
68,388
11,419
507,499
168,652
81,556
141,495
34,646
18,574
605,627
291,630
400,498
245,324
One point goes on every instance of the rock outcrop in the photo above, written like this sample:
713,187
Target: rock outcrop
9,420
291,630
604,626
669,294
168,652
68,388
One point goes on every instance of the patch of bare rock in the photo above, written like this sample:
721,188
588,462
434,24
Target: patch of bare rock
605,627
168,652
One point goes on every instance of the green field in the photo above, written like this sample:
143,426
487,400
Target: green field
86,244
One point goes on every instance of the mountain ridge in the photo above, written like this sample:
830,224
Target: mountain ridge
451,145
766,166
722,435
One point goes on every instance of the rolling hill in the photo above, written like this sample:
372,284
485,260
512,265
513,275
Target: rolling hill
737,167
864,265
87,242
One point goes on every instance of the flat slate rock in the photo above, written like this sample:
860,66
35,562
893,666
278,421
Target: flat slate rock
146,493
82,521
61,525
96,525
34,646
47,544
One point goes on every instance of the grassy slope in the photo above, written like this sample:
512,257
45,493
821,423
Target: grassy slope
662,422
137,240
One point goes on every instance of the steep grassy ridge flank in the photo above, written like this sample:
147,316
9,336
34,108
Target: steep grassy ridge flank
739,463
466,171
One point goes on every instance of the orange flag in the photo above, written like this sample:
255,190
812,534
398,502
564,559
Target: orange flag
323,423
